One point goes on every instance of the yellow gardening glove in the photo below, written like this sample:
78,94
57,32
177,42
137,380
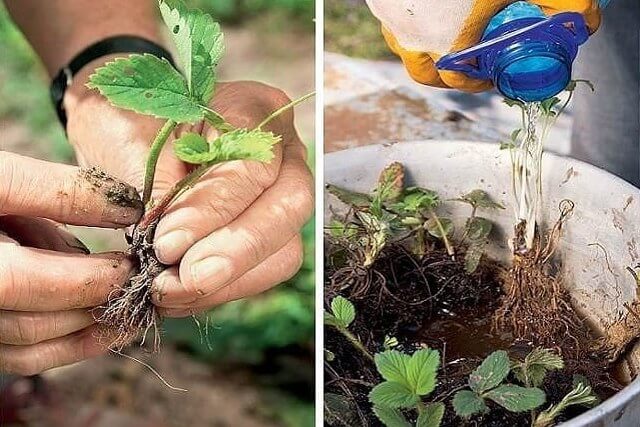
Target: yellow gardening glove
421,32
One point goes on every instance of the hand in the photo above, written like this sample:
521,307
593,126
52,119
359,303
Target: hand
433,28
236,232
47,279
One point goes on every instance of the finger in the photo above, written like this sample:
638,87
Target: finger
226,191
41,280
25,328
218,198
34,359
419,65
587,8
41,233
65,193
276,269
260,231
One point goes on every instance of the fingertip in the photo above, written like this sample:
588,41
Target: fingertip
122,205
171,245
169,291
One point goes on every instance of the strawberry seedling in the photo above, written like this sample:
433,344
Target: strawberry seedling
151,86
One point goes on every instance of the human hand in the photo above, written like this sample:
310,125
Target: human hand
236,232
428,30
48,281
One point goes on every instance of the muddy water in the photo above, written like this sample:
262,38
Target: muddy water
466,333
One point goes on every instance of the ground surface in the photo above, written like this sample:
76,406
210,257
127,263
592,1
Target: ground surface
375,101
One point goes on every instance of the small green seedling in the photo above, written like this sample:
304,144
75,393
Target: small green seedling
417,209
342,314
487,382
151,86
389,212
580,395
532,370
525,148
390,342
408,378
477,229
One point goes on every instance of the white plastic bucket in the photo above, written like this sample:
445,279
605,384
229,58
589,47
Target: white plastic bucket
599,241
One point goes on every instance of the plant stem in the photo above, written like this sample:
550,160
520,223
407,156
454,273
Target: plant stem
355,342
154,155
450,251
186,182
155,212
281,110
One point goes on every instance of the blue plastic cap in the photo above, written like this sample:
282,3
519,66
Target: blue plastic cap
533,78
527,58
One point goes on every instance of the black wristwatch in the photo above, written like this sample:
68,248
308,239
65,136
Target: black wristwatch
108,46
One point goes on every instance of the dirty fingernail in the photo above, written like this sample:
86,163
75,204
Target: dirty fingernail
211,274
123,204
75,243
169,246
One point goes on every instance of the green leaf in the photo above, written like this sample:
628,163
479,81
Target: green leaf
390,417
377,232
330,319
507,145
571,86
534,368
467,403
547,106
417,199
192,148
580,395
390,342
478,228
434,229
393,365
343,310
199,43
240,144
422,370
512,102
390,183
339,229
393,395
479,199
515,398
243,144
431,415
493,370
472,257
351,198
147,85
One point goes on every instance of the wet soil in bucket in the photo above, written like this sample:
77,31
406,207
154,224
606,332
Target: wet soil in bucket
431,301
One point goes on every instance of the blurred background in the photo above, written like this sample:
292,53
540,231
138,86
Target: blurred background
256,366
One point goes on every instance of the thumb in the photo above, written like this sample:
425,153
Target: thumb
66,194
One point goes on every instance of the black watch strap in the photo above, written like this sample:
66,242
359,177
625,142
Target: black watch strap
108,46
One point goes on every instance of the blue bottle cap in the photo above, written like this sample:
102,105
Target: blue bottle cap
528,59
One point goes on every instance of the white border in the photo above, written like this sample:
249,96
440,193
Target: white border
319,216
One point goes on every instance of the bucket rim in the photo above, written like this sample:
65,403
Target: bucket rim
458,143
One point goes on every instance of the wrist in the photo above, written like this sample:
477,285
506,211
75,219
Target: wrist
77,93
